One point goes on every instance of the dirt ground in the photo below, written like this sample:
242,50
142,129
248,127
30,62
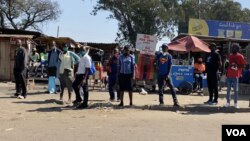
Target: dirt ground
40,118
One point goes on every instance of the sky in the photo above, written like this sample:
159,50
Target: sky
77,23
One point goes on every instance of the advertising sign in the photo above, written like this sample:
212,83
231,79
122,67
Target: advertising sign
224,29
181,73
146,44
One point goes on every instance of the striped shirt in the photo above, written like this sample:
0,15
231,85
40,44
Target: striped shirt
126,64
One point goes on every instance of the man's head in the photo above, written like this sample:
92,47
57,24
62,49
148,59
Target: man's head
115,51
213,47
235,48
126,50
164,48
33,50
19,42
65,47
200,60
53,43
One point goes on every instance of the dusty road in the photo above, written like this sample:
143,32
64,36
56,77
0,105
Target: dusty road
39,118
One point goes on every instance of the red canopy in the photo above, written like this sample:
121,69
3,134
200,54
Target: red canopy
189,43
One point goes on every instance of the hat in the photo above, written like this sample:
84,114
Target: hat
126,47
164,45
212,45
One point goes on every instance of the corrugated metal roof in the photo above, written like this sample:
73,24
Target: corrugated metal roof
16,36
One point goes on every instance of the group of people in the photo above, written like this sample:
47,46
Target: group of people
233,72
121,68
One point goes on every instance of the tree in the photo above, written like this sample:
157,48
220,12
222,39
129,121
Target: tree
225,10
25,14
161,17
138,16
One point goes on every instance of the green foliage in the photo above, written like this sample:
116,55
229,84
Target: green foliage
160,17
24,14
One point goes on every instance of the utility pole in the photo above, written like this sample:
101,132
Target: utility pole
57,31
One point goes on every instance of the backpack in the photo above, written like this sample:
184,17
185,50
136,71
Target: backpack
92,69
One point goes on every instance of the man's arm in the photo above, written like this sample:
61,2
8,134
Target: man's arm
169,65
75,57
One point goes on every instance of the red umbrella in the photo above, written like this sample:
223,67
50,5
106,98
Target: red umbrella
189,43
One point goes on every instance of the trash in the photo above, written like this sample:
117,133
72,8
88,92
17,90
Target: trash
143,92
9,129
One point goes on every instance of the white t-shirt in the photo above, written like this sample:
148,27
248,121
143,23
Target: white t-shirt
85,62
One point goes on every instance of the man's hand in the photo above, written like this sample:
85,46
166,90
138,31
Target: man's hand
82,83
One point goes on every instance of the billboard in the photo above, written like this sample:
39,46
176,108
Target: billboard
146,44
224,29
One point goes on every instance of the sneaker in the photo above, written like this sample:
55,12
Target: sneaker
236,106
176,104
76,103
214,103
208,102
20,97
228,105
82,106
112,100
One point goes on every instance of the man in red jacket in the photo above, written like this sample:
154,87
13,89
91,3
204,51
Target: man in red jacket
234,71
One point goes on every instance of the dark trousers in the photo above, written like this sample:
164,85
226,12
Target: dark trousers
198,80
112,81
212,83
20,79
161,80
79,78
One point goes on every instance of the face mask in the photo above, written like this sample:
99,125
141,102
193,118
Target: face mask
199,62
82,53
65,49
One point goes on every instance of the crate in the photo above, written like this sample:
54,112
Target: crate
30,84
244,89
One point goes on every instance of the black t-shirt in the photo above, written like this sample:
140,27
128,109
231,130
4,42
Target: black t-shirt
212,63
21,59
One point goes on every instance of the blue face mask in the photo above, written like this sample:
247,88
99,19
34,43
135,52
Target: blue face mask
65,48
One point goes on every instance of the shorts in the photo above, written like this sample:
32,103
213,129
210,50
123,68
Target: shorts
66,79
125,82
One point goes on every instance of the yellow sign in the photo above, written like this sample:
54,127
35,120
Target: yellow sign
198,27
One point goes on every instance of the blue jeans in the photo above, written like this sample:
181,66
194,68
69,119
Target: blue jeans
232,82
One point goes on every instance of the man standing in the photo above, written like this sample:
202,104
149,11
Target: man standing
20,68
126,65
213,63
66,71
112,75
81,80
234,71
164,64
53,66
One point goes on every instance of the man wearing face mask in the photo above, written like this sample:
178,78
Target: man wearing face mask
53,67
199,69
234,72
81,80
163,66
66,71
213,63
